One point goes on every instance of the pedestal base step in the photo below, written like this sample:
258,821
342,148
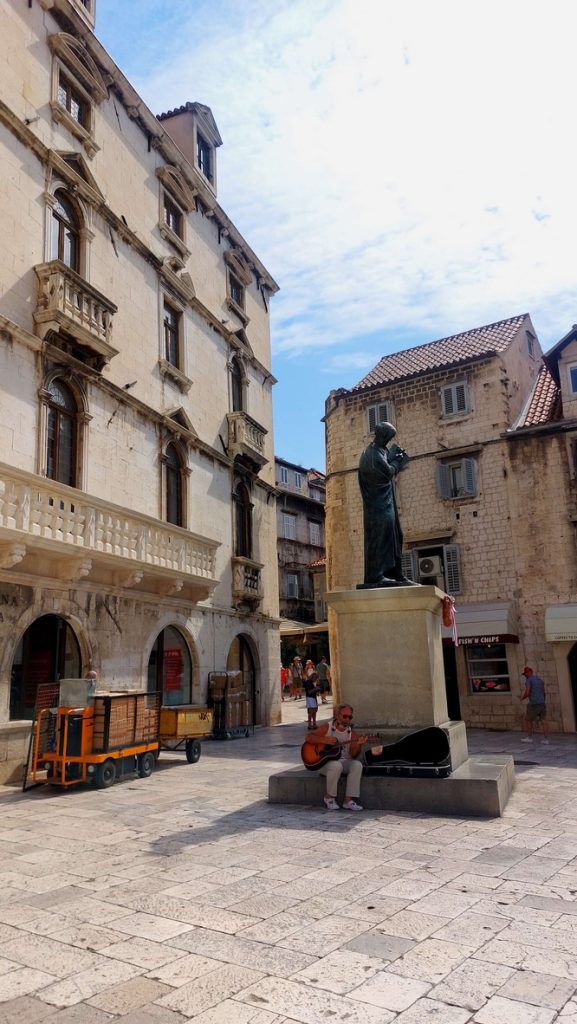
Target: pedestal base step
480,787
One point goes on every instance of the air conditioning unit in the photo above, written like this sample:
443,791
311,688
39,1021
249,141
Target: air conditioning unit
430,566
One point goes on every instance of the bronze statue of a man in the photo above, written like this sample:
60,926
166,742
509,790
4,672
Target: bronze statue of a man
378,468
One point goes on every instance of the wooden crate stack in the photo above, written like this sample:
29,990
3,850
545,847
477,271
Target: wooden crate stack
125,719
232,710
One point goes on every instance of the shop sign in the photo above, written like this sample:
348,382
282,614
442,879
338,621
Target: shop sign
495,638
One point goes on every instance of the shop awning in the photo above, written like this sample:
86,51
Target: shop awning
561,622
289,627
486,623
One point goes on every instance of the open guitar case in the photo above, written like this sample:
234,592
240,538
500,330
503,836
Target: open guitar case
424,754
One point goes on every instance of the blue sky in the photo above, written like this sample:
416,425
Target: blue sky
404,168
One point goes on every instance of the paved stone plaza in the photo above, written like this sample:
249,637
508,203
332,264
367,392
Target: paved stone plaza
186,896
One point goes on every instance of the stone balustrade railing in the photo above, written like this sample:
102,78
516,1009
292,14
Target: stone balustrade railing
246,436
33,507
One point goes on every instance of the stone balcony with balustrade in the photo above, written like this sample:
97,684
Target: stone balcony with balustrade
246,438
50,531
246,582
68,305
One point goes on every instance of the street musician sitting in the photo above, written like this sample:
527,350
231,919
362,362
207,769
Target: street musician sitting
337,747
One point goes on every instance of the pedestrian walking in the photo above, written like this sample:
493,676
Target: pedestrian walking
324,674
534,693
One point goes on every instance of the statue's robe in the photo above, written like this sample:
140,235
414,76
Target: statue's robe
383,535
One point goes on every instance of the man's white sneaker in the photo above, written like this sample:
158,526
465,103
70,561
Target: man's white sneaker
528,739
351,805
545,741
331,804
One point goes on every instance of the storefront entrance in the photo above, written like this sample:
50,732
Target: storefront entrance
240,659
47,652
170,668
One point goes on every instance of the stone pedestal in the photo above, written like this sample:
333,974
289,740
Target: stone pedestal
387,660
387,656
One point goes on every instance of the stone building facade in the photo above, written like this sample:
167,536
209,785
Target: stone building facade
137,499
487,505
301,540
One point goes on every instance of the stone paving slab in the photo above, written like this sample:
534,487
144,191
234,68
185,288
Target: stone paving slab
188,897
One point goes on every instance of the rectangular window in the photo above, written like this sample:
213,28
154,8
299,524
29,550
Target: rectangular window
455,399
236,290
315,534
283,475
292,585
204,156
298,480
488,669
72,101
457,479
531,344
172,319
378,414
289,526
572,372
172,215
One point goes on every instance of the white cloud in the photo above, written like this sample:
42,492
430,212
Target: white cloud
395,163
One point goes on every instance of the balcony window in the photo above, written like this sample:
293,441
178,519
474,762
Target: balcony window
174,486
236,385
65,232
61,434
243,522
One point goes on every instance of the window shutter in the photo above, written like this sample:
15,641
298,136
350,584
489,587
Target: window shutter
461,397
447,398
408,565
469,476
453,573
443,480
378,414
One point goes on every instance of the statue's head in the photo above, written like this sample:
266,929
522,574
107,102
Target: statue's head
384,432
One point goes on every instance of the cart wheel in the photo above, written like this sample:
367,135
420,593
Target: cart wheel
105,774
146,764
192,749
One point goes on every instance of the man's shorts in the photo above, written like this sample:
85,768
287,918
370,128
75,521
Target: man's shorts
536,712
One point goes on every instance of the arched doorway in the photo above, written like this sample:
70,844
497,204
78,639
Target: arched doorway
47,652
170,668
240,659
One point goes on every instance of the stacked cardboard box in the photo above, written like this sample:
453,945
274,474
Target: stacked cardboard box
125,719
232,710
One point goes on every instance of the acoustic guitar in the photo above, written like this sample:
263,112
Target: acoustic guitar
316,755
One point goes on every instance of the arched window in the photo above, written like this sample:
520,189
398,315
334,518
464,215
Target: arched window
174,490
236,386
243,522
65,239
61,433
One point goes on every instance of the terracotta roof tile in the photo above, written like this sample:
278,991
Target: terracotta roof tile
545,403
437,355
317,564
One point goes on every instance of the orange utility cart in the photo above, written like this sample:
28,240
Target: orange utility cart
184,725
109,736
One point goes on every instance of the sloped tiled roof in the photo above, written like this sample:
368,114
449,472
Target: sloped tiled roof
545,402
437,355
318,563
